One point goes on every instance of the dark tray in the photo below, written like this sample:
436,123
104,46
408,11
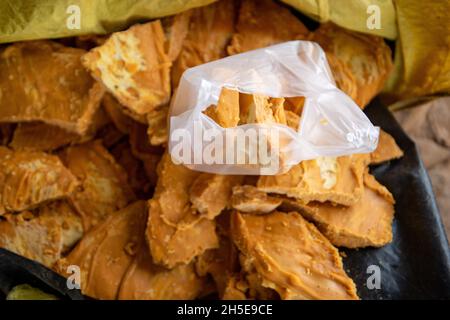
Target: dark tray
416,265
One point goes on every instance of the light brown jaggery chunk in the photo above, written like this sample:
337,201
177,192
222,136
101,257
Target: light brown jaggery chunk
386,150
263,23
176,29
104,183
29,178
211,193
339,180
134,67
210,31
45,81
250,199
42,235
366,223
367,56
175,232
291,256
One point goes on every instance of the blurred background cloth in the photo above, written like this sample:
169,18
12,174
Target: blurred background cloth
429,126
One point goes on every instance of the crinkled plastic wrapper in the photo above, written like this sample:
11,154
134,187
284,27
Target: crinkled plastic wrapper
331,123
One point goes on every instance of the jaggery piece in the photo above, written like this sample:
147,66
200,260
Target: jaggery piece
211,193
41,136
210,31
45,81
175,232
386,150
366,223
367,56
157,126
339,180
263,23
291,257
176,29
134,67
42,235
115,111
29,178
104,183
249,199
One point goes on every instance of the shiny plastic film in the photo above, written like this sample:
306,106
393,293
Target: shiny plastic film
331,124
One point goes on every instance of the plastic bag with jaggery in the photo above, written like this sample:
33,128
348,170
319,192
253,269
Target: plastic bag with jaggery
331,124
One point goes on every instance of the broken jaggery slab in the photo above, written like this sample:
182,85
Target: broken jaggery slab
386,150
134,67
116,113
292,120
264,23
226,113
342,74
211,193
291,256
338,180
210,31
42,235
30,178
134,168
41,136
250,199
105,252
146,281
294,104
45,81
142,149
174,245
158,131
368,223
367,56
176,29
104,183
255,108
175,232
221,263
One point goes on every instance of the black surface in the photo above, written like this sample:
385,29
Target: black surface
416,265
15,270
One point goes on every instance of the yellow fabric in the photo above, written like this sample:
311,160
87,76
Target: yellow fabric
422,61
38,19
350,14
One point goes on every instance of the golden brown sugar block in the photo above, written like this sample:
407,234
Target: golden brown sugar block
134,167
45,81
42,235
116,113
176,29
339,180
210,31
386,150
250,199
158,126
175,231
290,256
262,23
211,193
134,67
368,223
41,136
104,183
367,56
30,178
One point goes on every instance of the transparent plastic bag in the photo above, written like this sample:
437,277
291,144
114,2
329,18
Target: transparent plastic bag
331,123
